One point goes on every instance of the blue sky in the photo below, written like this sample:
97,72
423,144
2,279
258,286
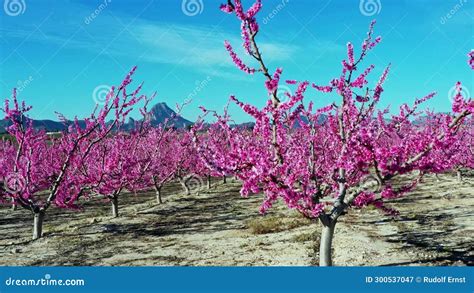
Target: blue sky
58,52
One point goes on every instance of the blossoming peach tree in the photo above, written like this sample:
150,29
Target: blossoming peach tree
44,170
113,166
324,161
162,163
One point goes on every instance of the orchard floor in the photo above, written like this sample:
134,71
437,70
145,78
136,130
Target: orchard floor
219,228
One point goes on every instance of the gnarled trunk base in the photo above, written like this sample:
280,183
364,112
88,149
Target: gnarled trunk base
158,195
38,224
325,246
115,207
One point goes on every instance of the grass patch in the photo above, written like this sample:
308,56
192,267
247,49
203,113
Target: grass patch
274,224
307,237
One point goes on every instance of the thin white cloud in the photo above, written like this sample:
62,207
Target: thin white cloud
198,48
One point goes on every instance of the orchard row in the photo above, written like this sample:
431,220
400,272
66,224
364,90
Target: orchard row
319,161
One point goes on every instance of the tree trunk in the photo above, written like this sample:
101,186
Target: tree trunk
185,186
115,207
208,181
158,195
224,179
38,224
13,205
325,245
437,177
459,175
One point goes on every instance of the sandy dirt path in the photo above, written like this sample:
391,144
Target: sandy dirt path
219,228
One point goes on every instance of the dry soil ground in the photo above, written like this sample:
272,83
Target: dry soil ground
219,228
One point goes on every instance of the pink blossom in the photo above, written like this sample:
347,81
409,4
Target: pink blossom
471,59
237,61
227,8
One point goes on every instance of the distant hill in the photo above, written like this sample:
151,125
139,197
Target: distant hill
47,125
158,114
